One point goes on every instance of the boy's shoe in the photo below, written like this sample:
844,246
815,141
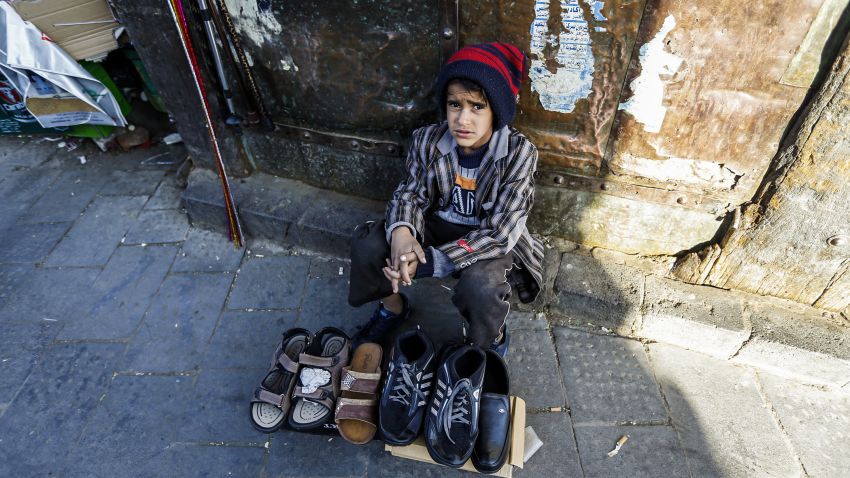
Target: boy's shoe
451,425
381,324
501,347
410,375
494,422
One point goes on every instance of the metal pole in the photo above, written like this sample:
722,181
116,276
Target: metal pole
228,94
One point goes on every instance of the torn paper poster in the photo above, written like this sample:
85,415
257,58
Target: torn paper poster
57,91
647,101
572,80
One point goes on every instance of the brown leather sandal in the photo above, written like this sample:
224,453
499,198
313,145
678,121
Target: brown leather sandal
357,409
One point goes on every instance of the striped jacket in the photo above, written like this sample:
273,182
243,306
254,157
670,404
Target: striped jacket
503,196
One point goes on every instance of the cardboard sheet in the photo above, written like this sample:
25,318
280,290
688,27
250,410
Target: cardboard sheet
91,37
417,451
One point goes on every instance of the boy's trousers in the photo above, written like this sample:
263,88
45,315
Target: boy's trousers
481,294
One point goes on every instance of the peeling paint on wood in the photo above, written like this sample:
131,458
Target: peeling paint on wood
572,79
574,139
256,23
646,103
723,103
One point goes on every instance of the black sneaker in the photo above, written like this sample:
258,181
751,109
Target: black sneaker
451,426
407,388
381,324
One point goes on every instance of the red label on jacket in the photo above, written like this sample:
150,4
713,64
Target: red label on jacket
464,245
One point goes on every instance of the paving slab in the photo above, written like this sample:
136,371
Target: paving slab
26,186
247,340
67,196
222,415
699,318
297,455
602,294
141,416
326,298
608,379
22,343
533,369
270,282
12,276
797,342
207,251
185,460
650,451
725,427
122,293
51,294
179,323
167,194
132,183
816,421
98,232
38,429
527,321
31,242
559,456
159,226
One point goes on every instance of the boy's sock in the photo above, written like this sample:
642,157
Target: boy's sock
500,345
382,322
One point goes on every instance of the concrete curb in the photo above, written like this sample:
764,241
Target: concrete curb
601,290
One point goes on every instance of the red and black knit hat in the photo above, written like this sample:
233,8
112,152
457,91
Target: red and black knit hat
498,67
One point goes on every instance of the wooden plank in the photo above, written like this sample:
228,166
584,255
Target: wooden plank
794,241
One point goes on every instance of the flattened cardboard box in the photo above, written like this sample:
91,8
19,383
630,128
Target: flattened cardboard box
86,41
417,451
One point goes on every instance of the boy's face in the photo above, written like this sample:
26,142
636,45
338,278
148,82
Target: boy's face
469,116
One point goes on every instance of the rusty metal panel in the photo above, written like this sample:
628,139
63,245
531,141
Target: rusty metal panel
703,108
580,50
360,67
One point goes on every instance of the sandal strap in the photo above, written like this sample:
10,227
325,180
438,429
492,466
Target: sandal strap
319,396
287,363
364,410
314,361
265,396
361,382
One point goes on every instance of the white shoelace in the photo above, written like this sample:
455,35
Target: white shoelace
455,407
405,391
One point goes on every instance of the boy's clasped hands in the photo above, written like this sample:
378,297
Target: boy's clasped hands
405,255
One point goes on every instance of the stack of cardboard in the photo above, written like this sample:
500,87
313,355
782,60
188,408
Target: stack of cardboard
83,28
417,450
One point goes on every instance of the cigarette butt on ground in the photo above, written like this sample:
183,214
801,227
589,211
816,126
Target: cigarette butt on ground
622,441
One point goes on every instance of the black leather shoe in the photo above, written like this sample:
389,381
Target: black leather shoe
494,419
410,376
451,426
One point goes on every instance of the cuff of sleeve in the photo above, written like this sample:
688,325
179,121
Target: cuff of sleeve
396,225
441,263
426,269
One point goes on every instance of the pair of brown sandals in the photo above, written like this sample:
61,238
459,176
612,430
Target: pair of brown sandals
314,382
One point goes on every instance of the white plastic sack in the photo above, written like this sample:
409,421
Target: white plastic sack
56,89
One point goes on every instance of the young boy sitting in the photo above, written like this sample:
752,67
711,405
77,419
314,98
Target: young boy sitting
462,208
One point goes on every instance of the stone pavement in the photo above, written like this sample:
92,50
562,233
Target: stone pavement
130,344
